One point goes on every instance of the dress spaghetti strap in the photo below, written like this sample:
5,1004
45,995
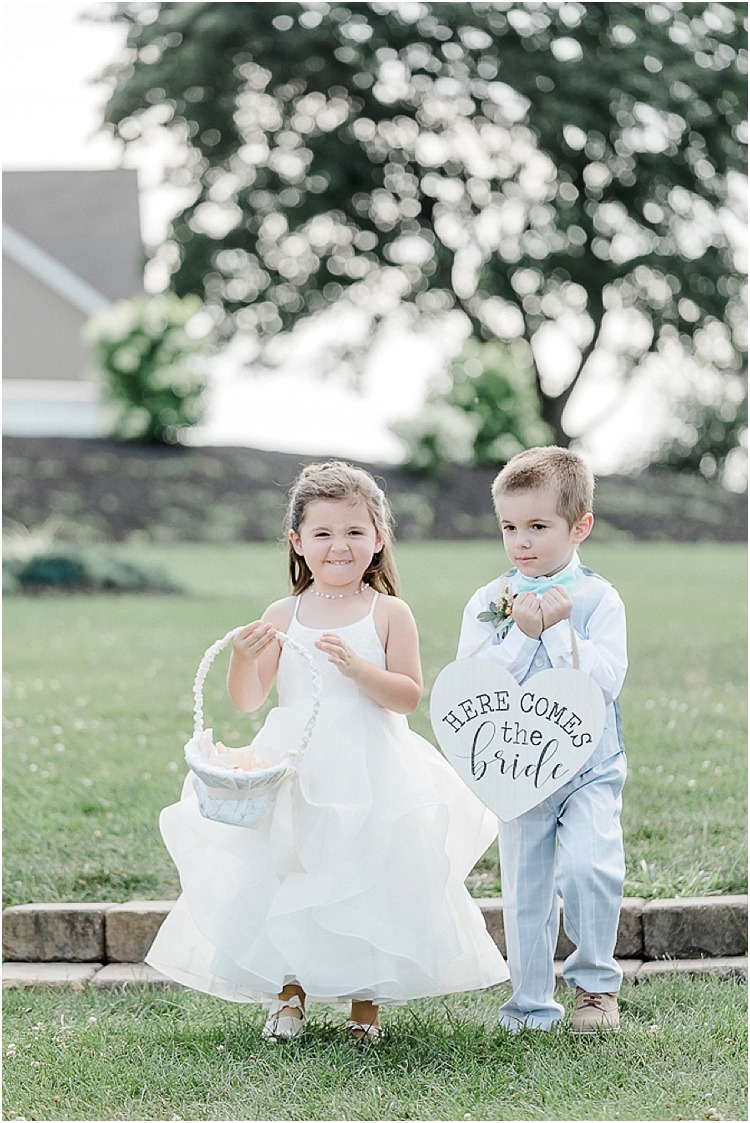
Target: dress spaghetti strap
375,595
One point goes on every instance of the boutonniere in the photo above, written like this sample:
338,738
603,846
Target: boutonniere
499,613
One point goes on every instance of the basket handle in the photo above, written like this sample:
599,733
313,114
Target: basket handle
216,648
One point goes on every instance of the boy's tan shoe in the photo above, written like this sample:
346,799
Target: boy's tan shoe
595,1013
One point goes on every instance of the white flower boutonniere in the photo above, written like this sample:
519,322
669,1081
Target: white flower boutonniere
499,613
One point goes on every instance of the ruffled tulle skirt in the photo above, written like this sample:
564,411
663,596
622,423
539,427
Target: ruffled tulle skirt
353,887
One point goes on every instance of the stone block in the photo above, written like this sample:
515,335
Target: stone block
130,974
691,927
131,928
565,945
492,911
48,933
629,932
27,975
725,967
630,929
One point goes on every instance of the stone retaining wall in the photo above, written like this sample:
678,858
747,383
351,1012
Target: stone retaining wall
106,933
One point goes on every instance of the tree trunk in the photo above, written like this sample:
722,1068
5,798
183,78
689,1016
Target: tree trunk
551,409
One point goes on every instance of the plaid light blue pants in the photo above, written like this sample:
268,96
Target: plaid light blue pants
570,845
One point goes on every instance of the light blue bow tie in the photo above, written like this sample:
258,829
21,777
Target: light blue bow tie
543,584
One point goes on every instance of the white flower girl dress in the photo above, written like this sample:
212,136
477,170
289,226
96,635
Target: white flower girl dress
353,886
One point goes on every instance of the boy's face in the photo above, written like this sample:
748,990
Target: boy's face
537,540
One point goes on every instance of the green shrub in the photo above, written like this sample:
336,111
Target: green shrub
64,568
150,353
482,411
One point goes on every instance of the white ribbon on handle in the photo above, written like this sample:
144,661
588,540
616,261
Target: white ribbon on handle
216,648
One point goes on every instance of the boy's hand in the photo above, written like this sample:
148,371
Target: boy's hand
248,644
556,605
527,613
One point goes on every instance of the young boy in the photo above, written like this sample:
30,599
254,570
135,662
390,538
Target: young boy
571,843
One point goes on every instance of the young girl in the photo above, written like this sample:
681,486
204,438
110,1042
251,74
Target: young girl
353,887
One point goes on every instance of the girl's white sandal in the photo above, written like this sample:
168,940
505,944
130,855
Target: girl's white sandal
278,1028
363,1033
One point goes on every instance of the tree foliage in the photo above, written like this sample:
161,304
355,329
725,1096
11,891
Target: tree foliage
708,436
564,174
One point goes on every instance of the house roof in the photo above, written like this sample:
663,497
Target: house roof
85,221
50,272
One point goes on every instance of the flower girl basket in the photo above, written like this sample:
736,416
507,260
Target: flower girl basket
239,786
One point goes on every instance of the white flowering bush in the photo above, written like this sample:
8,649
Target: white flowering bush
439,435
151,353
483,410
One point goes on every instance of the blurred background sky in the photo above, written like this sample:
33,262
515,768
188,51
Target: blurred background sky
50,56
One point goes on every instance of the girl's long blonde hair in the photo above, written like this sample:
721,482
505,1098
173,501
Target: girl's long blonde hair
335,479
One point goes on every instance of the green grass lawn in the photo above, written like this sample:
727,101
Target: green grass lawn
98,706
180,1055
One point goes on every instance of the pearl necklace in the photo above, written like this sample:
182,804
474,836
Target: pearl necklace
339,596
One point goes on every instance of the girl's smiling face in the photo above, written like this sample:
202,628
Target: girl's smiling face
537,540
337,539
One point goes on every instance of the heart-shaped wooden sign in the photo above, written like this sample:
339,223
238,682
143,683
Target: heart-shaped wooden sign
515,745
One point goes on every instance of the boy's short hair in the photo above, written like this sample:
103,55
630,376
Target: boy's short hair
549,466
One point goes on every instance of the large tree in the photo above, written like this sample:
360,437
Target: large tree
564,174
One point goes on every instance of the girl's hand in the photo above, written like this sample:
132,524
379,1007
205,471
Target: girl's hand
527,613
340,654
556,605
252,641
398,685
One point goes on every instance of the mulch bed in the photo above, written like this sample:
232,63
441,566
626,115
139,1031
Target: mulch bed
107,490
